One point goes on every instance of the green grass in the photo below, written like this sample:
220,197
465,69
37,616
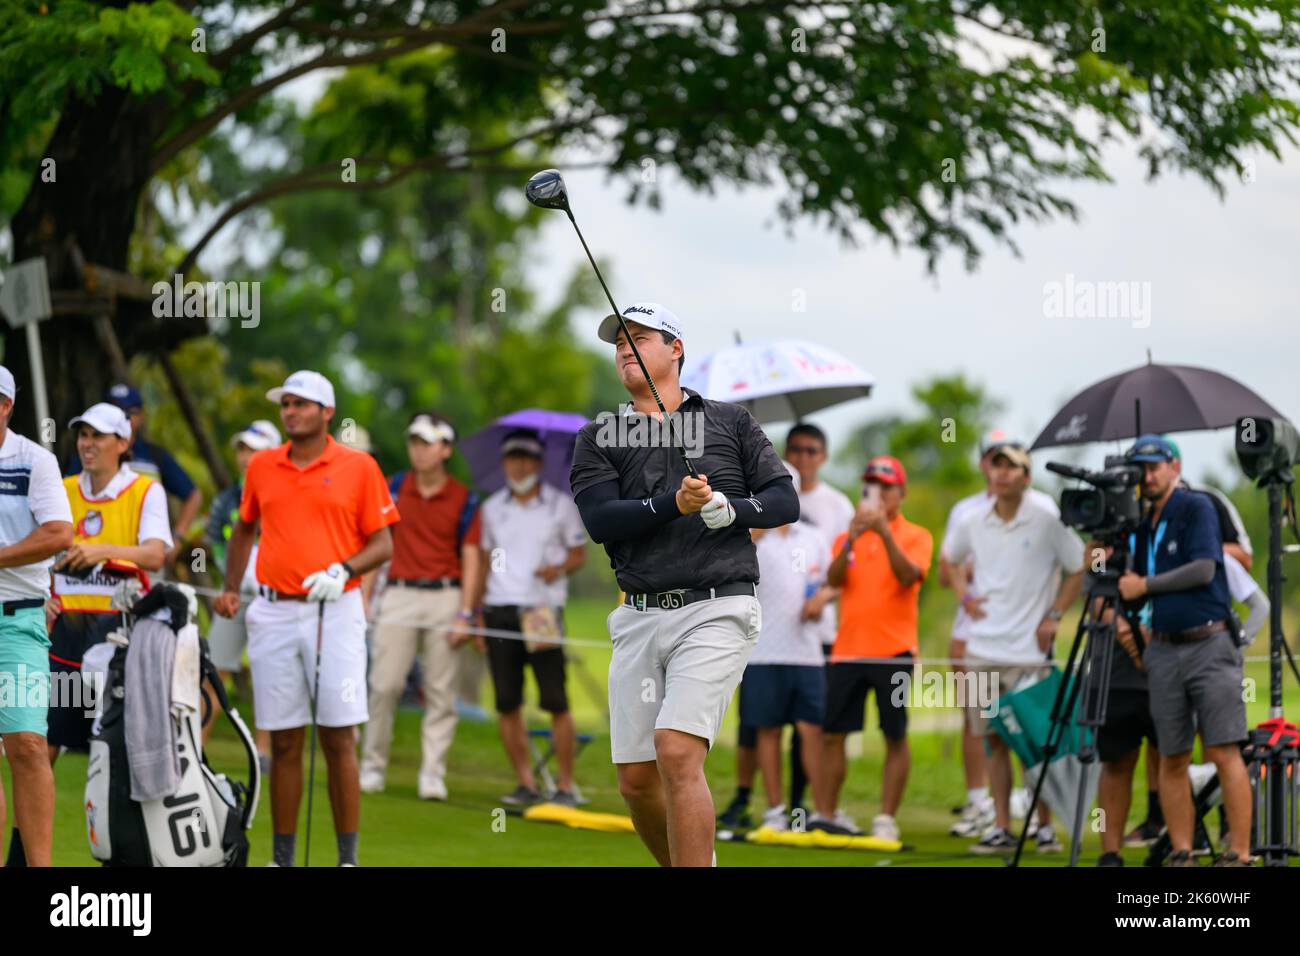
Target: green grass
398,829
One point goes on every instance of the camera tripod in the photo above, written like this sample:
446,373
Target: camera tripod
1085,687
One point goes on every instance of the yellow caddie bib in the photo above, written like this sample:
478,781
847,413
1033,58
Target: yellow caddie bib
108,521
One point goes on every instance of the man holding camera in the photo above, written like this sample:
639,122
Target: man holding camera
1193,664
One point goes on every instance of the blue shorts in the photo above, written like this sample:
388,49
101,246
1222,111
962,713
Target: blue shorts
780,694
24,671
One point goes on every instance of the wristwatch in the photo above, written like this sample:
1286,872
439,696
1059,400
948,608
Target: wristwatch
1054,615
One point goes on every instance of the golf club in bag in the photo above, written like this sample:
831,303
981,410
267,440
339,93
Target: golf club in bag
204,822
547,191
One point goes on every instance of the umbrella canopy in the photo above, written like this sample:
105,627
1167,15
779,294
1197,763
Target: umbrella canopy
778,381
1174,398
558,431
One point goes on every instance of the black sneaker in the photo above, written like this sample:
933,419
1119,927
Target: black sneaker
521,796
1144,834
1231,859
736,816
563,798
997,842
1110,859
1180,858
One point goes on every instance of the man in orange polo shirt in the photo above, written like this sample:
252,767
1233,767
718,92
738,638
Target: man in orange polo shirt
325,513
879,563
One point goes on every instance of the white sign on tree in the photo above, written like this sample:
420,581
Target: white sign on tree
25,301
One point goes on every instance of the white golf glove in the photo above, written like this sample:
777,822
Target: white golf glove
718,513
326,585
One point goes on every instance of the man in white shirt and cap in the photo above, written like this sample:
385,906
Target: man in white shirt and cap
35,524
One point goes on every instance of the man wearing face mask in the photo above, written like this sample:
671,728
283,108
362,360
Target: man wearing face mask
532,540
427,607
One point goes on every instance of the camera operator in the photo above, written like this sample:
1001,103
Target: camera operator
1193,665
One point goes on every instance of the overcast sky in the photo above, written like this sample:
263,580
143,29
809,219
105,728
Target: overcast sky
1221,276
1222,281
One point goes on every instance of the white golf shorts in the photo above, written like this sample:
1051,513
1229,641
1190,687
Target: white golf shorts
676,669
282,655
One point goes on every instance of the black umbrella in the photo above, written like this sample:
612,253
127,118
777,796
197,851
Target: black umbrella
1173,398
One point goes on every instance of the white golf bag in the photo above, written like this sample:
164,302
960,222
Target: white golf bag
202,823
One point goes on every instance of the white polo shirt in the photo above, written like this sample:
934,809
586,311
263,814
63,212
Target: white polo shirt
1240,584
31,494
520,538
829,510
963,510
1018,566
792,561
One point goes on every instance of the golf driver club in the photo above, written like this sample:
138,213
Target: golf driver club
547,190
311,761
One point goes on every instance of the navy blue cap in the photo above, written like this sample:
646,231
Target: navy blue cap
123,396
1152,448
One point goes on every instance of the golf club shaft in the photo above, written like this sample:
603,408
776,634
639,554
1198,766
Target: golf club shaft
654,391
311,772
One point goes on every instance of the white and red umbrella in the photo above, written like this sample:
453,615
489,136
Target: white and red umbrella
779,381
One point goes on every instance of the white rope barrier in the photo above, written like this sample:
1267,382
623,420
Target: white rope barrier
567,641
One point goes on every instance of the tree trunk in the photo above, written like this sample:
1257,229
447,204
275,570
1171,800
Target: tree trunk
101,155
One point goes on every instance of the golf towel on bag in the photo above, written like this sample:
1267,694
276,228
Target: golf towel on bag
150,731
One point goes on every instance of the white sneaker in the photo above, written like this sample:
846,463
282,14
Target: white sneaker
372,781
1020,799
975,819
775,818
842,819
432,788
884,827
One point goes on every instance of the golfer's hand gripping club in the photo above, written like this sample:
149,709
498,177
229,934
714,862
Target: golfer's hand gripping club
326,585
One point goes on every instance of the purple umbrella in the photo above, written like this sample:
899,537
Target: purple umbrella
558,431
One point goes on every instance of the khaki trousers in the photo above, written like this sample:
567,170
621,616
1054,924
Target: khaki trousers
411,619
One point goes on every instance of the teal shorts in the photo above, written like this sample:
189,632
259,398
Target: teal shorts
24,671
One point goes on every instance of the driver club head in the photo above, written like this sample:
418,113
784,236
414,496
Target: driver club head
546,189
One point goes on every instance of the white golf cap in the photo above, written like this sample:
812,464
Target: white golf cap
106,419
307,384
424,427
7,387
650,314
258,436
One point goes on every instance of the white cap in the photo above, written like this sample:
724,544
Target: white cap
258,436
307,384
650,314
7,387
106,419
422,426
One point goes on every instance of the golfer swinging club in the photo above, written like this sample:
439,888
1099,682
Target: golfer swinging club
325,513
681,551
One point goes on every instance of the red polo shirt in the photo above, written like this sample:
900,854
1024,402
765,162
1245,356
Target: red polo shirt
312,516
427,542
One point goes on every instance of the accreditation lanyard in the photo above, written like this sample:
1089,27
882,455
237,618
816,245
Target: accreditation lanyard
1153,547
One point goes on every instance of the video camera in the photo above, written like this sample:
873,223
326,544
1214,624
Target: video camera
1111,508
1267,449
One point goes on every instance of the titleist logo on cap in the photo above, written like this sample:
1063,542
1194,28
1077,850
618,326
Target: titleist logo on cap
639,309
